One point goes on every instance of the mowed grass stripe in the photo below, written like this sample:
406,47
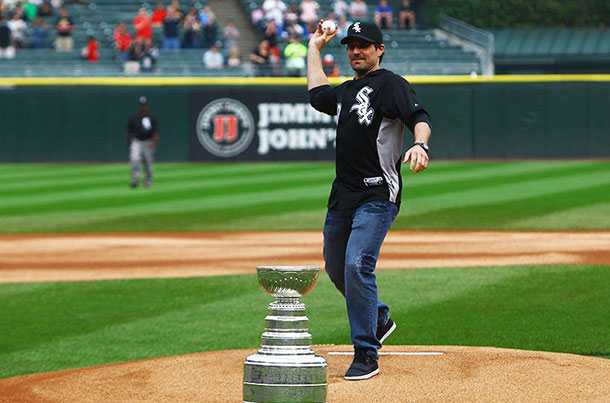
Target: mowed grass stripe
81,180
506,214
195,190
434,174
187,204
221,217
26,172
185,185
501,192
432,184
37,171
63,220
218,218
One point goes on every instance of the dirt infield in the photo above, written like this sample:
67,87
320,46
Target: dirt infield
34,258
461,374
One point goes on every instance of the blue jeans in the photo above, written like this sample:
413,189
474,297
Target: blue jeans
352,240
171,43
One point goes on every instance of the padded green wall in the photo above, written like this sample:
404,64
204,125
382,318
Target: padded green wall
53,123
481,120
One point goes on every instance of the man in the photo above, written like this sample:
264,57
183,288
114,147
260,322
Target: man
383,15
142,138
294,54
373,110
64,27
212,58
142,24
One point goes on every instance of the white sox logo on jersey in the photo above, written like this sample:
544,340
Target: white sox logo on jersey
363,107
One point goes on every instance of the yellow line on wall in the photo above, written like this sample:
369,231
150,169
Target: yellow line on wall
281,81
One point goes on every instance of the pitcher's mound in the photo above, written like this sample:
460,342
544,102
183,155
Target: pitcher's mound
458,374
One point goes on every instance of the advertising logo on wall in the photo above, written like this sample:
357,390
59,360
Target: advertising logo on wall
225,127
249,125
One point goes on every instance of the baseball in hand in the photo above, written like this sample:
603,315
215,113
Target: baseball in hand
329,26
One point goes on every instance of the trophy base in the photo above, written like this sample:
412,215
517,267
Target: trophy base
295,378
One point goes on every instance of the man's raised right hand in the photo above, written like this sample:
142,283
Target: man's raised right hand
320,38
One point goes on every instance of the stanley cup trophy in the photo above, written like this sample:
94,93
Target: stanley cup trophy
286,369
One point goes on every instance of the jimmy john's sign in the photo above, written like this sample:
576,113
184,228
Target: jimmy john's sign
254,125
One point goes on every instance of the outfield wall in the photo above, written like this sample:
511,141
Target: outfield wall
52,120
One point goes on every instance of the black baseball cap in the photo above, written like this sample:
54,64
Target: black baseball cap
143,101
367,31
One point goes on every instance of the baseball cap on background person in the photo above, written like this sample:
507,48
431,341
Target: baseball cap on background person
367,31
143,101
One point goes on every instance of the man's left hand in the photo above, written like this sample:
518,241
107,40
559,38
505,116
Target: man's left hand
419,159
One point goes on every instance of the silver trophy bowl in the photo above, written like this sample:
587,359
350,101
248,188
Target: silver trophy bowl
285,368
287,281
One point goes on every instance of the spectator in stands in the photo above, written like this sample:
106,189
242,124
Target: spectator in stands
343,25
205,15
191,28
271,34
293,12
406,16
64,27
233,60
329,67
230,35
340,8
295,53
383,15
122,40
358,10
292,27
257,16
45,9
274,9
171,33
260,58
176,5
31,10
136,49
210,27
91,52
159,15
20,11
309,14
142,24
40,32
7,51
149,56
18,28
212,58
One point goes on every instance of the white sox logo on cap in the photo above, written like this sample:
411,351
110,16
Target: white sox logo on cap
357,27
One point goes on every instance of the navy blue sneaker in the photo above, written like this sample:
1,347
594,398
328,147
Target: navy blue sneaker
383,332
363,367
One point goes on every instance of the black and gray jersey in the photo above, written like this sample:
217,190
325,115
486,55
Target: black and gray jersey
372,114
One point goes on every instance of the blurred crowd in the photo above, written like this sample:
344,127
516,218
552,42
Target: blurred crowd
26,24
285,29
172,27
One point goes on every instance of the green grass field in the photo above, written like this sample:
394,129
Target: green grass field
52,326
196,197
